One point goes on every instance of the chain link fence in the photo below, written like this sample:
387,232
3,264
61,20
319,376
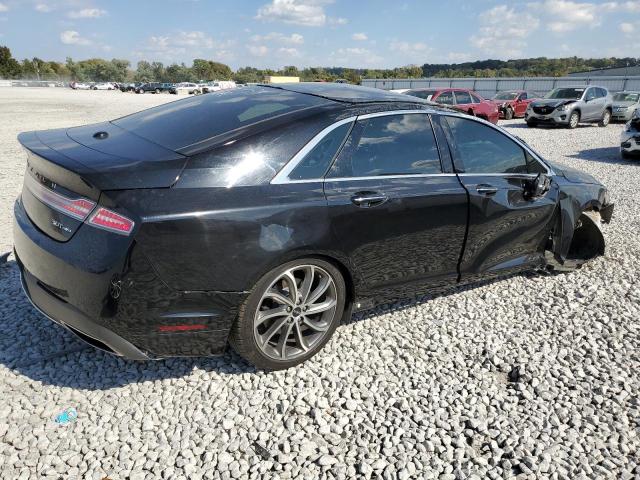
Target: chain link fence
488,87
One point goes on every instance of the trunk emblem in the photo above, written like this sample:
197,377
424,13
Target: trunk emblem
60,226
100,135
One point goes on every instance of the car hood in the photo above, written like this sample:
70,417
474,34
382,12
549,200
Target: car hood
552,102
573,175
624,104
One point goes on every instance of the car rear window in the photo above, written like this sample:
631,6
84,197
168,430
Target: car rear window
180,124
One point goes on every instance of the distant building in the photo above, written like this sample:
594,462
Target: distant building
609,72
278,79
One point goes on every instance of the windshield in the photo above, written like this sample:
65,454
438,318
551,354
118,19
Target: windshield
506,96
626,97
568,93
426,94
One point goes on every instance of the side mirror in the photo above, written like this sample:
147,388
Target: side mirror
537,187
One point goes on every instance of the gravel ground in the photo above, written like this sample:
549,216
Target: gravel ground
526,377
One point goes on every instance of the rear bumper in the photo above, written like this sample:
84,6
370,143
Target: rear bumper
74,320
73,283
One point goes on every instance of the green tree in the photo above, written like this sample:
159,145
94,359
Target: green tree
9,66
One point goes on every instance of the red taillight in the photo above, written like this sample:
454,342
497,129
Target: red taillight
111,221
78,208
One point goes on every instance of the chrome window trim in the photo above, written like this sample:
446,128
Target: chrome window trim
282,177
384,177
512,137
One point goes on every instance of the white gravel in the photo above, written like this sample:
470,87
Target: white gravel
527,377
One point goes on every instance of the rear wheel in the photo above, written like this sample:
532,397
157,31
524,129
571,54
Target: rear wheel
157,90
290,314
606,118
574,119
508,114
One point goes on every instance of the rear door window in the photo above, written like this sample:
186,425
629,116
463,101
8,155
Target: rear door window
389,145
463,98
446,98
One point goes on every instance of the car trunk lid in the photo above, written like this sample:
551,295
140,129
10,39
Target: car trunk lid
68,169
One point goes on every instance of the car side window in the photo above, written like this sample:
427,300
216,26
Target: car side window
463,97
316,163
478,148
591,94
523,96
602,92
476,99
389,145
446,98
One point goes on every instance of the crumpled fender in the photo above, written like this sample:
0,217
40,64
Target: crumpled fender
574,199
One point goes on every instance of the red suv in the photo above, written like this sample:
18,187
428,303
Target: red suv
513,103
461,99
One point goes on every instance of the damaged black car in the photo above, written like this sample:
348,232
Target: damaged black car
264,216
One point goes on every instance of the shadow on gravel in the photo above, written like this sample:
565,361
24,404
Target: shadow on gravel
601,154
39,349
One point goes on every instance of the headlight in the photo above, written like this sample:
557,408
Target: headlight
562,108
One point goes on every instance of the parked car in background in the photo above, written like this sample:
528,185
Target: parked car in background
103,86
466,101
265,215
513,103
154,87
570,106
183,88
79,86
129,87
630,138
218,85
625,104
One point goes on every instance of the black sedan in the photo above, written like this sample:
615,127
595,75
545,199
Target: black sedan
263,216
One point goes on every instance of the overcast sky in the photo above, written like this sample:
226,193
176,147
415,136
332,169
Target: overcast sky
353,33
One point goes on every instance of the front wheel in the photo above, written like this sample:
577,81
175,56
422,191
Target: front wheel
531,124
290,314
606,118
574,119
508,114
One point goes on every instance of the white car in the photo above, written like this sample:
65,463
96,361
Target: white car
630,138
80,86
185,88
218,85
103,86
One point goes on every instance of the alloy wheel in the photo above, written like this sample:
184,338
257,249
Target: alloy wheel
295,312
573,120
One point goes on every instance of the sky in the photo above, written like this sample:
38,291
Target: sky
349,33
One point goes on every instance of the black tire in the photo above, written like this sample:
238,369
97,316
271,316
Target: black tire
531,124
508,114
574,120
626,155
157,90
606,118
242,337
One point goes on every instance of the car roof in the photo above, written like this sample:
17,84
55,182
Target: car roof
345,93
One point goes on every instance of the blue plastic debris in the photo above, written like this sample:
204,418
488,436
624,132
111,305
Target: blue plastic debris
68,415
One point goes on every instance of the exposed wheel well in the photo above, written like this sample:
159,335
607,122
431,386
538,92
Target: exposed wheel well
587,242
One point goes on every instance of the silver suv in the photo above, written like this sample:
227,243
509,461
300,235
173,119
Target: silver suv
569,106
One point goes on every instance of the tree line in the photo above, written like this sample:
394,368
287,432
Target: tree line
118,70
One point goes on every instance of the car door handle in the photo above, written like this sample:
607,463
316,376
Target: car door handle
488,190
368,199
